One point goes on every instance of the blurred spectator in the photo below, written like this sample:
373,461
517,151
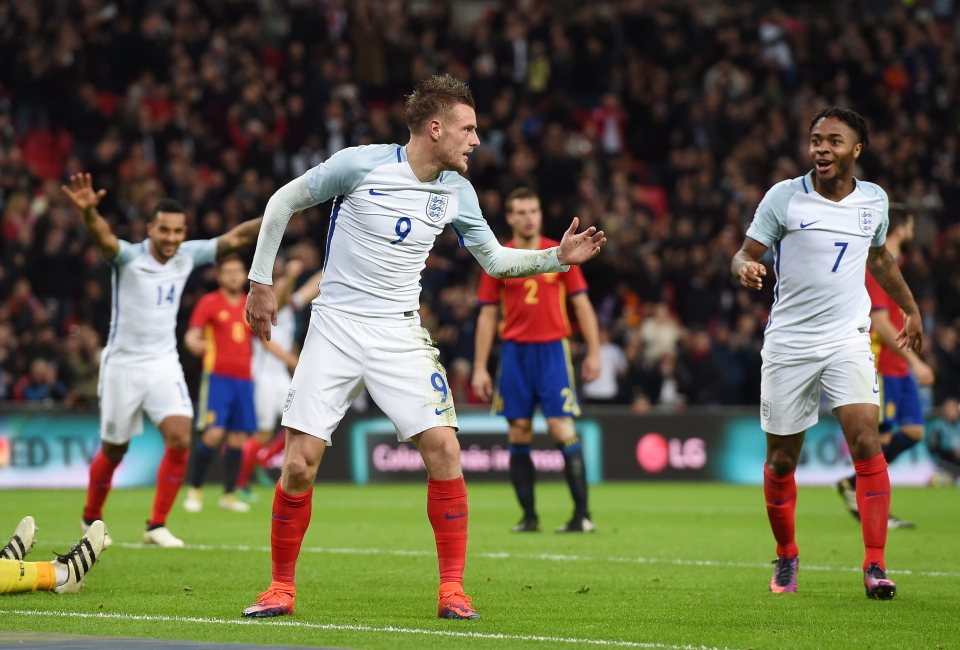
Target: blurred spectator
943,440
40,384
605,389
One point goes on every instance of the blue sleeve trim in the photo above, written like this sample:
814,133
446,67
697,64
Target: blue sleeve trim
333,225
459,236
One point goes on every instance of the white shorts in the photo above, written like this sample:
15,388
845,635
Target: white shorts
790,384
127,391
395,360
269,393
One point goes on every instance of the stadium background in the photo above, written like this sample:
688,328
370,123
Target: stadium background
661,122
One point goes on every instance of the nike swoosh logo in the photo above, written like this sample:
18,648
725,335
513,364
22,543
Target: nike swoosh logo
805,225
876,494
376,193
876,390
282,518
439,412
782,502
449,516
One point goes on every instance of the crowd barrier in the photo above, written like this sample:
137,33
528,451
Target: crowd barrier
54,449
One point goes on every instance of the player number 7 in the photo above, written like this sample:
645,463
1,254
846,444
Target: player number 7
843,249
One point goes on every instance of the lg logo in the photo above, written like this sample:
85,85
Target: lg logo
656,453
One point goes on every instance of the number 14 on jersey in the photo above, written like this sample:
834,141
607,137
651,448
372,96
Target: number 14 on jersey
166,296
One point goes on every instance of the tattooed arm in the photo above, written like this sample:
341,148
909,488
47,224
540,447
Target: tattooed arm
883,267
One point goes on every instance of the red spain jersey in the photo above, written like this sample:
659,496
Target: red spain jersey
535,308
889,363
229,338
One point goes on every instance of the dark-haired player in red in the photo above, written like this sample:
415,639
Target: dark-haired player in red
535,365
900,370
219,332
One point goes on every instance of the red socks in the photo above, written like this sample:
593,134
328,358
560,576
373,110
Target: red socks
250,449
101,479
781,496
291,516
274,448
873,499
447,510
170,475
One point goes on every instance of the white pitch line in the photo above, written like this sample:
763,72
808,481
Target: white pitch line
546,557
363,628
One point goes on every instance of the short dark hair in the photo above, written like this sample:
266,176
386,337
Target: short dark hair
519,193
167,205
848,116
231,257
898,216
433,96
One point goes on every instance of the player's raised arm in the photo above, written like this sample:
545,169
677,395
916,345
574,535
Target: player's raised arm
883,267
746,265
575,248
85,199
239,237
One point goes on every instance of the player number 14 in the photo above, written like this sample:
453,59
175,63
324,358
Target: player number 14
168,296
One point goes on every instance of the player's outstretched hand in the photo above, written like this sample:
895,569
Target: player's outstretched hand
577,248
482,384
81,192
261,309
752,274
911,336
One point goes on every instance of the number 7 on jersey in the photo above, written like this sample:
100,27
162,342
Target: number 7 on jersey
843,249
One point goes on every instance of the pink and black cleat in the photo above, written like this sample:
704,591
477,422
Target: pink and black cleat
877,585
784,578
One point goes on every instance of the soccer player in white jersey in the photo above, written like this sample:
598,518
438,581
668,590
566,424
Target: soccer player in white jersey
824,228
391,203
139,367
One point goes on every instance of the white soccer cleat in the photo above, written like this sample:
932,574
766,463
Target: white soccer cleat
107,540
162,537
194,500
230,502
80,559
24,537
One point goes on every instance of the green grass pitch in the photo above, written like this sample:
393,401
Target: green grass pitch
671,566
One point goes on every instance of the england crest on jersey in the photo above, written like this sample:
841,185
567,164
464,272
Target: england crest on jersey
437,206
868,220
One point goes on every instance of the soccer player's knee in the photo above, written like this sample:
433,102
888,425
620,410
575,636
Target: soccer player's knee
114,453
298,470
864,444
782,461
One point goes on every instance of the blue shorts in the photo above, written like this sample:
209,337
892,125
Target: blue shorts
900,403
226,402
536,373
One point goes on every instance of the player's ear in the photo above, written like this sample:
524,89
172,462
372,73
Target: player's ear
857,148
433,129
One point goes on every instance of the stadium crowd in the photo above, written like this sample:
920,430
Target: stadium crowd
661,121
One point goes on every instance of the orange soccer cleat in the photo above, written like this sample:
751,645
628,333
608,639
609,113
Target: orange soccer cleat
275,601
454,604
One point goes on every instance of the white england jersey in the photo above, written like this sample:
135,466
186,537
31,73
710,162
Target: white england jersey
820,253
268,367
146,298
383,225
